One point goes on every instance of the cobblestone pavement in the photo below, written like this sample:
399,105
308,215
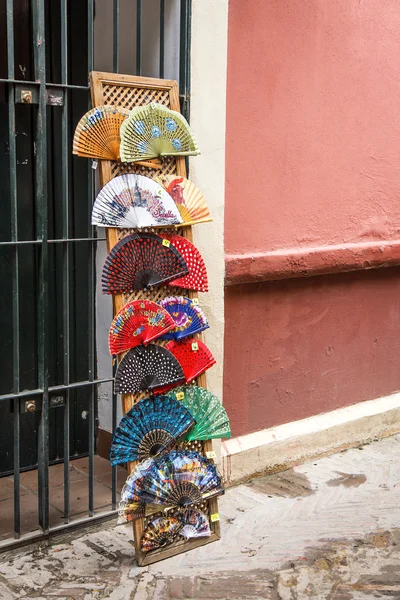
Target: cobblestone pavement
324,530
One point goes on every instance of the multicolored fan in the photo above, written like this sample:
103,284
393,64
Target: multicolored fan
141,260
97,134
187,316
130,511
150,427
179,478
147,367
134,201
155,130
197,277
212,421
193,356
195,524
138,322
187,197
160,532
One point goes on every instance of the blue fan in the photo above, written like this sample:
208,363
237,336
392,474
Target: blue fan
188,316
151,426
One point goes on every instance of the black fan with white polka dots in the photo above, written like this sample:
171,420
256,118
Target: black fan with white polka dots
147,368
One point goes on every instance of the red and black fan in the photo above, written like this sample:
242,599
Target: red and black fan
138,322
146,368
193,356
196,279
139,261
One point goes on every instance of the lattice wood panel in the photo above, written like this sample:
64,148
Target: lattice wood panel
128,92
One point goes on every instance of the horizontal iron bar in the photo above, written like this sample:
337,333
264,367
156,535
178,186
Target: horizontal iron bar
48,83
21,243
36,536
55,388
59,241
91,239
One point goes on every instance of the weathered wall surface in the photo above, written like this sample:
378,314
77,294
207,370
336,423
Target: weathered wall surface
312,186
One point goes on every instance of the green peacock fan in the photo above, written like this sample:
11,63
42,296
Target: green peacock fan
154,130
211,419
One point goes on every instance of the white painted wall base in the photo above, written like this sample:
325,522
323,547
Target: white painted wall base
281,447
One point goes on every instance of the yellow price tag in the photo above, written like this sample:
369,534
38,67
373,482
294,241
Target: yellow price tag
195,346
166,243
214,517
211,454
195,301
180,395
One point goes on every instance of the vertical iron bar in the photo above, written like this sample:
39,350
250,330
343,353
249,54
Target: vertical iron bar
38,12
184,57
138,37
114,426
15,264
65,232
91,306
162,38
115,36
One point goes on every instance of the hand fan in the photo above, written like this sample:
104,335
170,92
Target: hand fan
97,133
193,356
134,201
147,367
195,524
150,427
179,478
212,422
197,278
187,197
187,316
138,322
138,261
129,511
154,130
160,532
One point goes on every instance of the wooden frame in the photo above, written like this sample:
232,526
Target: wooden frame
130,91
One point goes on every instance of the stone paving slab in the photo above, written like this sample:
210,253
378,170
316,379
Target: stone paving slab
324,530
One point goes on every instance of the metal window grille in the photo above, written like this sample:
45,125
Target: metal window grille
48,247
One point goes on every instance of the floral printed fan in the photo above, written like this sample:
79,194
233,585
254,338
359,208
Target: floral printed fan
195,524
147,367
97,133
187,316
212,421
150,427
193,356
134,201
187,197
180,478
160,532
141,260
154,130
196,279
138,322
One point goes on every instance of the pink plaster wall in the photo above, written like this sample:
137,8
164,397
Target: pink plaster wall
312,160
301,347
313,123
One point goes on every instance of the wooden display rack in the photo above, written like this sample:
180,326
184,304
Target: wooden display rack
129,91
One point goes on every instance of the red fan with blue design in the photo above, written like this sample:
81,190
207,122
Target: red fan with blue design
196,279
138,261
193,356
188,317
138,322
